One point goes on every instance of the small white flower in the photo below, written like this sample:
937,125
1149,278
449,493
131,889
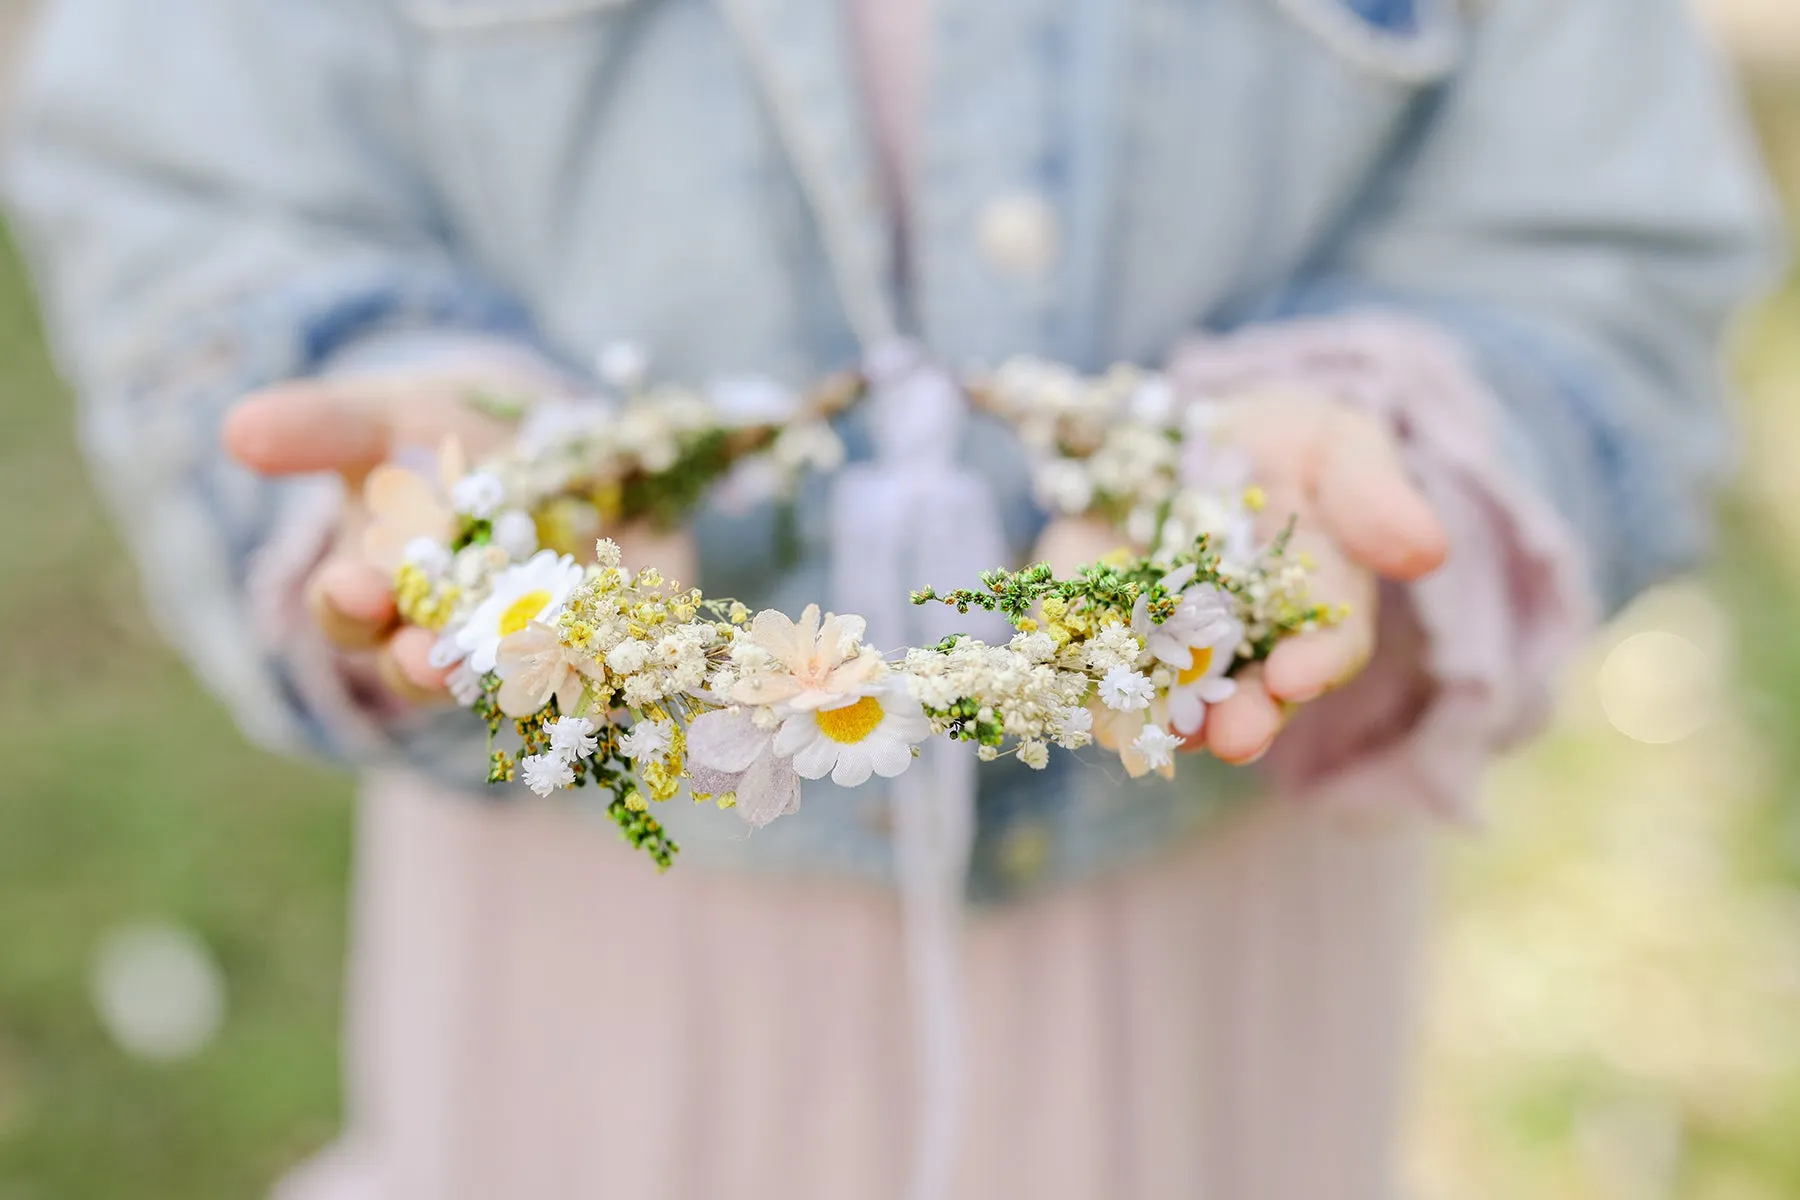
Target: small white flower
1075,720
1140,524
1037,647
628,657
479,495
1126,690
1153,403
1115,646
1063,485
1035,755
474,564
428,555
808,446
986,753
544,773
648,740
571,737
622,364
554,425
1157,745
516,533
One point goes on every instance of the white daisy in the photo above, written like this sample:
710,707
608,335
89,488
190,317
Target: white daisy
534,590
571,737
1203,616
544,773
1126,690
1202,683
873,735
648,740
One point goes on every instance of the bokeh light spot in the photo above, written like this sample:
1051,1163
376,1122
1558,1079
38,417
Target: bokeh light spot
158,990
1658,687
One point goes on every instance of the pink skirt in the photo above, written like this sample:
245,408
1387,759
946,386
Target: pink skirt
535,1015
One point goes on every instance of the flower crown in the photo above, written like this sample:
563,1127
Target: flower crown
645,688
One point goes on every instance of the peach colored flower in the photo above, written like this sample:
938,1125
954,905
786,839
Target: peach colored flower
534,665
405,505
1119,731
818,665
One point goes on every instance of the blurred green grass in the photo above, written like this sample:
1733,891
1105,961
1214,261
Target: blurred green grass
1613,997
1617,968
126,793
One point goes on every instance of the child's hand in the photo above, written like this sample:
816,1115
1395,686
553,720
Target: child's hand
351,426
1360,518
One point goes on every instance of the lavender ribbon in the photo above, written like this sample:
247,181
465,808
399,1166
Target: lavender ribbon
912,516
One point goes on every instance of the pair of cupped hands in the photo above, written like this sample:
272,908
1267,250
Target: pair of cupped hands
1337,469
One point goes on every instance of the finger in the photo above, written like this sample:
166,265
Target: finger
1240,730
1283,432
405,665
299,428
351,602
1308,666
350,425
1369,504
1305,667
1070,543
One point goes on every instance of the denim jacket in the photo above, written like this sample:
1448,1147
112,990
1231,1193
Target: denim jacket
216,194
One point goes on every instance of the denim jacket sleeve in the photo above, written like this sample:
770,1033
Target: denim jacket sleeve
1584,228
214,195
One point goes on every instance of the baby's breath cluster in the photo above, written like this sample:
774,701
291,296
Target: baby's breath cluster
589,674
1120,446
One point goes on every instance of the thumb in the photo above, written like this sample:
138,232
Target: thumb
306,426
352,424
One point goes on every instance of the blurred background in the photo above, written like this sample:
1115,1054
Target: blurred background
1613,1010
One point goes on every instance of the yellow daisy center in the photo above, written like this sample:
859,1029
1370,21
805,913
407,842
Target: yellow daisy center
518,614
853,722
1203,657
